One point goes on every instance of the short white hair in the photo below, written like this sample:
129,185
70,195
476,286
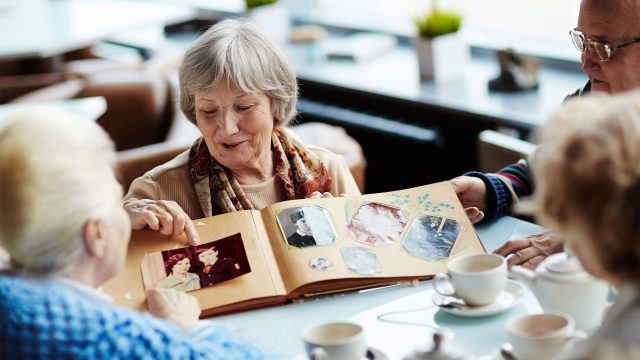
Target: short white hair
56,172
242,52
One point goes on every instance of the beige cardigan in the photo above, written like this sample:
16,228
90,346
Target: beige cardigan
172,181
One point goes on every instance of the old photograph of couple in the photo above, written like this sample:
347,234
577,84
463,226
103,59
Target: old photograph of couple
196,267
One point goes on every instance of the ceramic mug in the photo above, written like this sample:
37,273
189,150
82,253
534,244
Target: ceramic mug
541,336
335,341
476,279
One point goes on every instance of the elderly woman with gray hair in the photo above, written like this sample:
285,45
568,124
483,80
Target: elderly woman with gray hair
241,92
66,233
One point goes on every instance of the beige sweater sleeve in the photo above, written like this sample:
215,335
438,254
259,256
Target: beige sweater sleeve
170,181
342,181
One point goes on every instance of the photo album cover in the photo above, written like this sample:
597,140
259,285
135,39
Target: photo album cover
301,248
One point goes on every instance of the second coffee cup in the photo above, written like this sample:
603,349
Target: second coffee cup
542,336
476,279
335,341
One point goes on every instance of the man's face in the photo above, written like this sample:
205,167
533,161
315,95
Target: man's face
303,226
208,257
611,22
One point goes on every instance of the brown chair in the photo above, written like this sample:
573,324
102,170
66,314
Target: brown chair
133,163
497,150
140,104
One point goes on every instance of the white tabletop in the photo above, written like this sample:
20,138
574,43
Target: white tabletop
49,28
90,108
278,330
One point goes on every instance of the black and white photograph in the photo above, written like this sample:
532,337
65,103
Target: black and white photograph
320,263
431,237
360,260
306,226
377,224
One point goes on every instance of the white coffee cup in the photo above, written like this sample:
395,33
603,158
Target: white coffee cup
541,336
335,341
476,279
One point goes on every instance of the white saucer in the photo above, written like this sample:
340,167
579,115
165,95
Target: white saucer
372,354
508,298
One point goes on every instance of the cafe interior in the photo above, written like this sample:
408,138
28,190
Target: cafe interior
422,100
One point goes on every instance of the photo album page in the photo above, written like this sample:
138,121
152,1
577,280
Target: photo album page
301,248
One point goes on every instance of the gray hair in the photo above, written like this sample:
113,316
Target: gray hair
55,170
241,51
587,177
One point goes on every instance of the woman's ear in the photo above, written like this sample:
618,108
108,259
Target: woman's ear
94,238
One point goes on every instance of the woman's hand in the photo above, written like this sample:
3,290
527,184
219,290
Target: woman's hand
318,194
173,305
161,215
472,193
531,250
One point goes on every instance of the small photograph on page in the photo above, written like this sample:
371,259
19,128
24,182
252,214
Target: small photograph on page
431,237
360,260
377,224
306,226
192,268
320,263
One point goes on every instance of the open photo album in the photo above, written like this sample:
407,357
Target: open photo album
301,248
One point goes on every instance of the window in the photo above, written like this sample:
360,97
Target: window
537,27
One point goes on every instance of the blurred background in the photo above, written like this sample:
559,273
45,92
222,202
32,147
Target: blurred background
362,93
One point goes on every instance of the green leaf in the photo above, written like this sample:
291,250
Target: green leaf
438,23
255,3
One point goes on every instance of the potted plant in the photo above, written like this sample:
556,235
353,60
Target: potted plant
441,52
251,4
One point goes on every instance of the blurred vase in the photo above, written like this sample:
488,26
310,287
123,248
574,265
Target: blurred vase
441,58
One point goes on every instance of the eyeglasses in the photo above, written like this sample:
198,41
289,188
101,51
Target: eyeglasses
603,51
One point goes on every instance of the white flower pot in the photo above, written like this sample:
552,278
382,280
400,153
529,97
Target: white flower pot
442,58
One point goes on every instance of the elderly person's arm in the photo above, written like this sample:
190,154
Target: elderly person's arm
146,210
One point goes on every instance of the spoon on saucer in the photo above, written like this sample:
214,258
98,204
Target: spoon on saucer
506,351
442,302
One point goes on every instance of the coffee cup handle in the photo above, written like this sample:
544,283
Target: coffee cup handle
438,280
319,353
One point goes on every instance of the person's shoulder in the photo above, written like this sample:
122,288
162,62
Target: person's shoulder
325,155
192,276
169,281
180,163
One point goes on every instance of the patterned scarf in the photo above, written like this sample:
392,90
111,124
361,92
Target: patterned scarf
298,170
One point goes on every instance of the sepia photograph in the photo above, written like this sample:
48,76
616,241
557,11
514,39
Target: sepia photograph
221,260
196,267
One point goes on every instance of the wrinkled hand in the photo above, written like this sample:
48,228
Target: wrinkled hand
531,250
173,305
472,193
318,194
164,216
